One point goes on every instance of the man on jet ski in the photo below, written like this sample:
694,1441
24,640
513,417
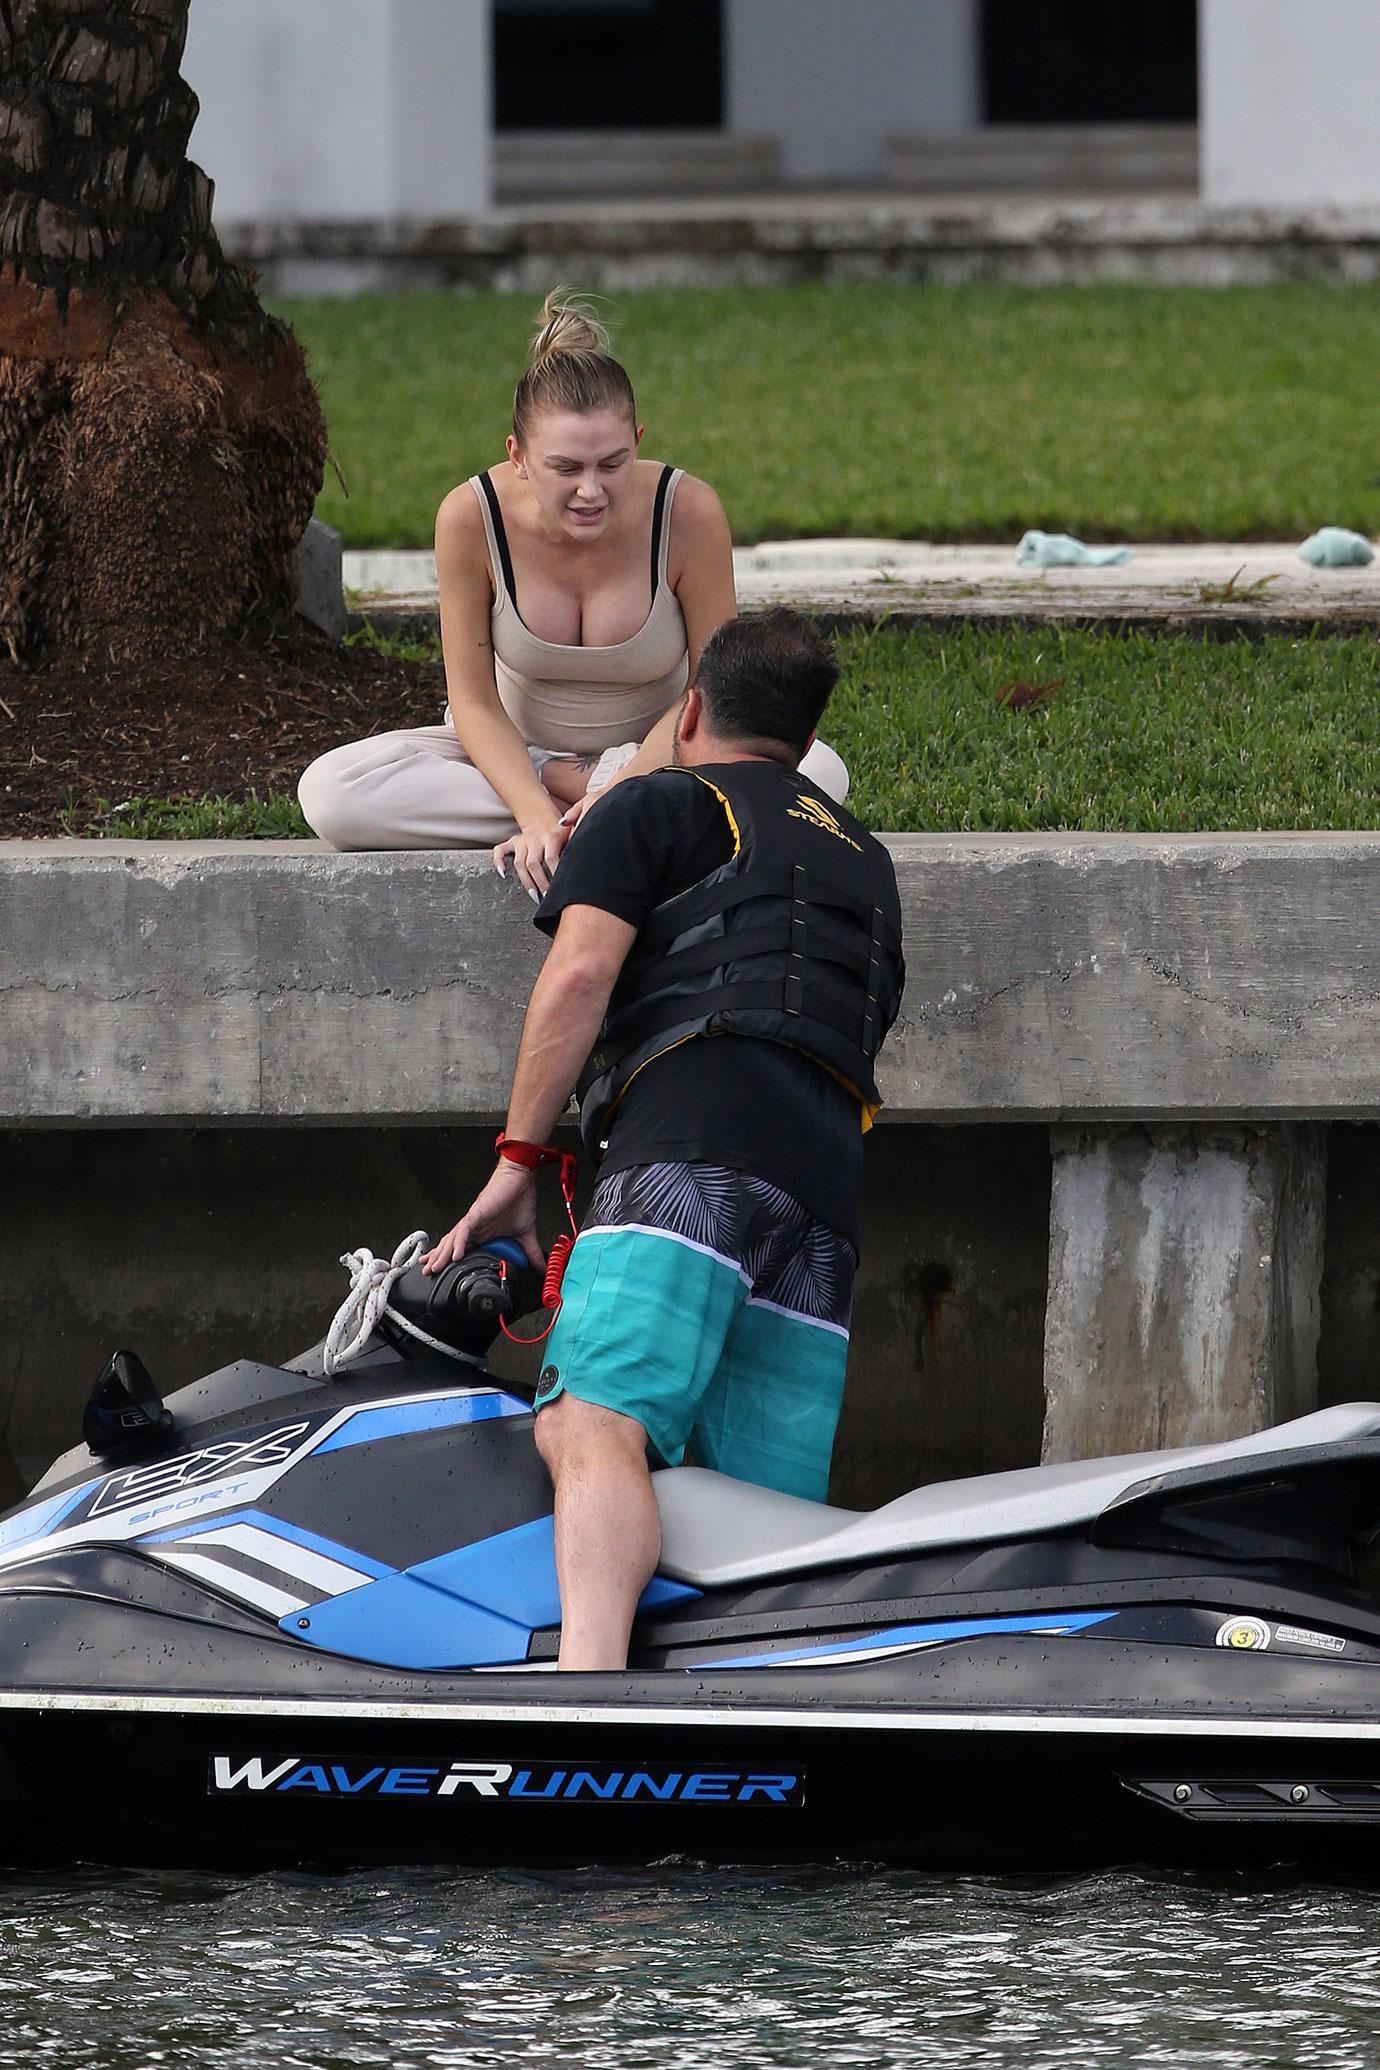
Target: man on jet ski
725,962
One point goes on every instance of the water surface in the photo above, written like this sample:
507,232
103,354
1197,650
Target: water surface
684,1966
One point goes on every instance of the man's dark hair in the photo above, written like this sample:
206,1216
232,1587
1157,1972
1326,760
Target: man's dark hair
767,677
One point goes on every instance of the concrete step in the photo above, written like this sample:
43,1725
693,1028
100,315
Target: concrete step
1079,158
548,164
1215,589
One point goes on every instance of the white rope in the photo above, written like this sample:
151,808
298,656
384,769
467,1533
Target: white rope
371,1282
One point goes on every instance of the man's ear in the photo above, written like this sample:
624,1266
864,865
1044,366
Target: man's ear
691,712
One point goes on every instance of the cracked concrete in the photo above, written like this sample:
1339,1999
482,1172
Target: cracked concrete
1051,977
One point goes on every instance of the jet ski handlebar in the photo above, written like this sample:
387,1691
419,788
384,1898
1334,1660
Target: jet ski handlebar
457,1314
465,1304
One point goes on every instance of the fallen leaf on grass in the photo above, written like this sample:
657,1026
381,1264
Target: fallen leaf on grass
1020,695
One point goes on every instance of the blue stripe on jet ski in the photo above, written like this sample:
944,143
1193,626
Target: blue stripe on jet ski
40,1518
274,1527
474,1607
513,1574
403,1419
914,1635
401,1622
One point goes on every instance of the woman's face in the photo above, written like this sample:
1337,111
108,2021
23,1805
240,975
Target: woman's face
579,465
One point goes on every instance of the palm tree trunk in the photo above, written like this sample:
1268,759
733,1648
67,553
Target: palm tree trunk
161,444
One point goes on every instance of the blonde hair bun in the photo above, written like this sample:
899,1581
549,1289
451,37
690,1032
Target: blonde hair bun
569,365
568,324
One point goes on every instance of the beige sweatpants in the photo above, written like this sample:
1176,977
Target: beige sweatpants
419,789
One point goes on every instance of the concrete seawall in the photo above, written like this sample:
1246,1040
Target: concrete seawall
1102,1209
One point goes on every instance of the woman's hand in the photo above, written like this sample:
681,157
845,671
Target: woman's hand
534,856
506,1207
573,814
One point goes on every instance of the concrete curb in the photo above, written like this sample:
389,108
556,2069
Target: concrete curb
1221,590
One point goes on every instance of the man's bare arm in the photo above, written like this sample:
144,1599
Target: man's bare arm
564,1015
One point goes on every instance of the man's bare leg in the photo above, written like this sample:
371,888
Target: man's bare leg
608,1530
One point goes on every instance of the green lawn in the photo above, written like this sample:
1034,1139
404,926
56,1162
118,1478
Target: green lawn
274,817
943,413
1155,733
1143,733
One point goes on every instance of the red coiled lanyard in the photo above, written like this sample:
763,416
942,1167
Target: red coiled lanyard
533,1157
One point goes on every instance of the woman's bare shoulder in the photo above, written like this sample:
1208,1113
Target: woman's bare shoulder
698,505
460,524
701,542
462,549
459,507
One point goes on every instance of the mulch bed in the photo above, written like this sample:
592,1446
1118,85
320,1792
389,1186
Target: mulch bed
226,721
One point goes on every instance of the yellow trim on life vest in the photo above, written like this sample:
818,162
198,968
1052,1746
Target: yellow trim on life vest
732,822
870,1109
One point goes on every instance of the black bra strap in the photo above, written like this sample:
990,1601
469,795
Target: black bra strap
504,557
658,519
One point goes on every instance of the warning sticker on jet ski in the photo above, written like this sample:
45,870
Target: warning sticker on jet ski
1322,1642
1244,1634
474,1782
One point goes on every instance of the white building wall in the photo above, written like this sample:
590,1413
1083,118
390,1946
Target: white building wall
1289,97
832,78
342,110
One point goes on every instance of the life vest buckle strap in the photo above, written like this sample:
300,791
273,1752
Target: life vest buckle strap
793,988
871,1041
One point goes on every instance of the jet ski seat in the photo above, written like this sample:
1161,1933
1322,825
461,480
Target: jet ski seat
718,1532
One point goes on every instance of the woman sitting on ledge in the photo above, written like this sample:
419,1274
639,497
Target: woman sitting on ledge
573,611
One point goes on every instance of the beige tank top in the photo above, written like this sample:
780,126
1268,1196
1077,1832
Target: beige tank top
581,700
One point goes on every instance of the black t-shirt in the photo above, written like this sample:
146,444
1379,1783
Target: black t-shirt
723,1099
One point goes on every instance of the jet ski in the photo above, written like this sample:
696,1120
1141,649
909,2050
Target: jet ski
291,1615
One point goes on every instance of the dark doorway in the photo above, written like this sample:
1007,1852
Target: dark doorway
608,64
1090,60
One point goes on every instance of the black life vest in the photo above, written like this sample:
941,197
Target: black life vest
797,939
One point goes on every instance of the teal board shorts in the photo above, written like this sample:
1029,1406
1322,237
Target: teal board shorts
713,1308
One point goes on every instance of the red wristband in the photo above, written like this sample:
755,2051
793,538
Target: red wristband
534,1156
531,1156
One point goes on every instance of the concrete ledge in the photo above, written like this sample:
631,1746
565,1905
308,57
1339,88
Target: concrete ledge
766,238
1218,591
1052,977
